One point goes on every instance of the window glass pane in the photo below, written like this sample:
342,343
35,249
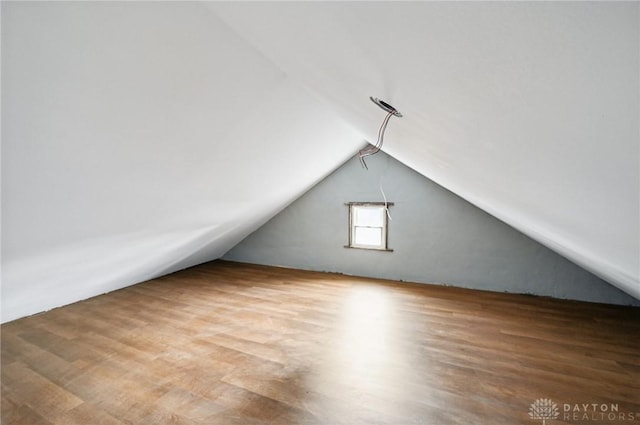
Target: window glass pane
368,236
368,216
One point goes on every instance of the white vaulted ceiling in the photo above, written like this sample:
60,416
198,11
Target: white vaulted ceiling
140,138
528,110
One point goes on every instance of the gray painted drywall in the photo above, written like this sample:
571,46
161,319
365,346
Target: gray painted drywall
436,237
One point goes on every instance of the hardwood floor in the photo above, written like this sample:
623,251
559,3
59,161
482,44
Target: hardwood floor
229,343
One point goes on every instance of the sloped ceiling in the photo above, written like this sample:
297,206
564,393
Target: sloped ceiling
140,138
530,110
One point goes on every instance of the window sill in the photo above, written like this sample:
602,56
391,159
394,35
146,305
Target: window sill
369,249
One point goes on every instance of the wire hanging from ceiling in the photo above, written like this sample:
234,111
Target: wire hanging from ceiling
373,149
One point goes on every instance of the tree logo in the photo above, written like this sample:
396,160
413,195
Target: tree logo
543,408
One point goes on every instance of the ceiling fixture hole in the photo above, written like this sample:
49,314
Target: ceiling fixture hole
385,106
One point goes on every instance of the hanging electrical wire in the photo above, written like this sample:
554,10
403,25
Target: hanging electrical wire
373,149
386,204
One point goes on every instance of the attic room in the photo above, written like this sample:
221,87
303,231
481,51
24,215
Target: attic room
341,213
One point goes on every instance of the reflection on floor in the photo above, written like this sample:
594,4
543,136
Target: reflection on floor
229,343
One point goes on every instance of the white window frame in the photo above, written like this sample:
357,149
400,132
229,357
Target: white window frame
385,225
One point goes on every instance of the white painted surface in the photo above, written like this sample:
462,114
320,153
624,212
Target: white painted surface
155,135
529,110
140,138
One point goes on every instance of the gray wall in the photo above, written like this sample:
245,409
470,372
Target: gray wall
436,237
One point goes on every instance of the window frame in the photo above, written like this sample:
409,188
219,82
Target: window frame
385,226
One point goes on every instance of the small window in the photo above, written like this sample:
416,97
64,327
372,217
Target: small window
368,225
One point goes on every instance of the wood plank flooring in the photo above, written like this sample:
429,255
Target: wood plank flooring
235,344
